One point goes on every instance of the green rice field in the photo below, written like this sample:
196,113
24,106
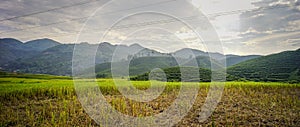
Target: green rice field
41,100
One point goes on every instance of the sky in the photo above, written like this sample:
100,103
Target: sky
244,27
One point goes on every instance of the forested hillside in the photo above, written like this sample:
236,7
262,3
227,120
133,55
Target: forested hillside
176,74
284,66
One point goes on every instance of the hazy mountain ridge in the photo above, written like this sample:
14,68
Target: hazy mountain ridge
12,49
41,44
232,60
50,57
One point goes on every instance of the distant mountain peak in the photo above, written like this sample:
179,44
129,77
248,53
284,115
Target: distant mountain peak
189,49
136,45
105,44
41,44
9,40
43,40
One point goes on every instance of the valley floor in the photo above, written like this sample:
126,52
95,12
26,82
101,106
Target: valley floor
53,102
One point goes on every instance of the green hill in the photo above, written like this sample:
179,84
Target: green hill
136,66
145,64
232,60
284,66
176,74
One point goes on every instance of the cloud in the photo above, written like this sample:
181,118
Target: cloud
293,42
267,28
273,24
274,37
273,17
53,24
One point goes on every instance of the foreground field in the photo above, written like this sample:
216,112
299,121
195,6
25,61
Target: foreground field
26,101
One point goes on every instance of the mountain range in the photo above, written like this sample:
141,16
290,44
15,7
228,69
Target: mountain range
46,56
